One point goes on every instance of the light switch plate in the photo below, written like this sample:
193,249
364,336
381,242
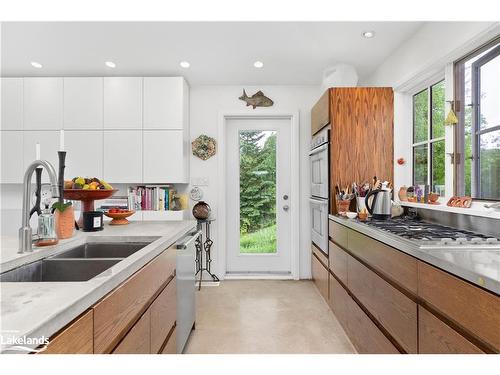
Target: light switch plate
199,181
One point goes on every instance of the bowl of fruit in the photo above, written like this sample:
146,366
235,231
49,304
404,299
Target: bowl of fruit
87,190
119,216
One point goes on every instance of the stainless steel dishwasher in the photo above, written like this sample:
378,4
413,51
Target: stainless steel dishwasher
185,271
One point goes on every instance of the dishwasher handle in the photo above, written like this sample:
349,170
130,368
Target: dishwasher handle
186,241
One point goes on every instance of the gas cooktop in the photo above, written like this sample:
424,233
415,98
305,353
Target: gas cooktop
425,233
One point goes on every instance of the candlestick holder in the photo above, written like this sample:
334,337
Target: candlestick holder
62,166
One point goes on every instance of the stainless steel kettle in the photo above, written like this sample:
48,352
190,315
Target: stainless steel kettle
381,204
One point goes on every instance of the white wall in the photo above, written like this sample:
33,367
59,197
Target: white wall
422,60
207,102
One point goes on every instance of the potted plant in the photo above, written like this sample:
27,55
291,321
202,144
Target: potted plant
65,219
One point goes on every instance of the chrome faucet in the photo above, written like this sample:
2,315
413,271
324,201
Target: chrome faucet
25,233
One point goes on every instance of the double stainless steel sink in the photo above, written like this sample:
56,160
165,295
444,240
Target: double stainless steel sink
80,263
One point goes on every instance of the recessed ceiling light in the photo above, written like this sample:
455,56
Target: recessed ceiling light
258,64
184,64
368,34
110,64
36,64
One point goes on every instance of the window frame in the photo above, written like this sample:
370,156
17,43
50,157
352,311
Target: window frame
459,133
429,141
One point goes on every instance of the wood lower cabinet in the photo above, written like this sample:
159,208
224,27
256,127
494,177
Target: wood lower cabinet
436,337
163,316
398,267
364,334
337,262
138,339
114,314
171,344
76,338
475,310
139,316
338,301
319,276
338,233
392,309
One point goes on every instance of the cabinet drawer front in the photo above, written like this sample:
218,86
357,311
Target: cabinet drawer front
338,301
171,346
338,233
476,310
436,337
364,334
392,309
320,113
399,267
163,315
76,338
338,262
321,256
137,340
319,276
119,309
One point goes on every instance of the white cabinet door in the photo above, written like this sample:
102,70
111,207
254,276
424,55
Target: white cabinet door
165,102
12,156
83,103
43,103
49,145
123,102
84,153
12,103
164,159
122,156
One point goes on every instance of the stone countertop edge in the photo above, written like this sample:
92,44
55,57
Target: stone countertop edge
437,258
65,301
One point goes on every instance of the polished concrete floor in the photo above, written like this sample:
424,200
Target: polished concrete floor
265,316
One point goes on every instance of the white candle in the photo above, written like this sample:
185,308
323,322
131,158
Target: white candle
61,140
37,151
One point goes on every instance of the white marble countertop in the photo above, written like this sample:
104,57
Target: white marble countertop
36,309
479,266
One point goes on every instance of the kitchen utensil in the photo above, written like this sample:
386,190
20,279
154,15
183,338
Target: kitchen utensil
92,221
381,205
119,218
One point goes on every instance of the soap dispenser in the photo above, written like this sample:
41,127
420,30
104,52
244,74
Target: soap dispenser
46,235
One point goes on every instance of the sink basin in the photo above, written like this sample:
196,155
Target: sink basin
102,250
59,270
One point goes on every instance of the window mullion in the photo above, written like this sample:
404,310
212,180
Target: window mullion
429,132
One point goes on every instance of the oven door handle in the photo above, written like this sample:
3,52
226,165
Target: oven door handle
319,149
319,202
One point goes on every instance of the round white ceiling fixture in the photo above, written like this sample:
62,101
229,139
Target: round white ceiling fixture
36,65
258,64
368,34
110,64
184,64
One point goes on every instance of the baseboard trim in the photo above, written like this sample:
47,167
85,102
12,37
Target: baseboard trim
258,276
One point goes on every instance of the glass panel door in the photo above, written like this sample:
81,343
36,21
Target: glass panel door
257,191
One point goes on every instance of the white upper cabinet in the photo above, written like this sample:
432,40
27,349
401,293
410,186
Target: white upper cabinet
12,157
83,98
123,102
165,157
12,103
84,156
43,103
122,156
165,102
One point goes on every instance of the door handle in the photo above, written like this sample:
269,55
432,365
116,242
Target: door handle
286,207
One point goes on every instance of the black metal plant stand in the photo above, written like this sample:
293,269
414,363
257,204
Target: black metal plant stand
204,247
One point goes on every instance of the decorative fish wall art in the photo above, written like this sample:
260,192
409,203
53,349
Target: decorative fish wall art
256,100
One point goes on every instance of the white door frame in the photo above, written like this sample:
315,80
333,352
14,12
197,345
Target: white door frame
293,116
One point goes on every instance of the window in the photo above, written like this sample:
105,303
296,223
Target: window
428,137
478,131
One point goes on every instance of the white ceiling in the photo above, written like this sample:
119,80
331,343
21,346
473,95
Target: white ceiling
294,53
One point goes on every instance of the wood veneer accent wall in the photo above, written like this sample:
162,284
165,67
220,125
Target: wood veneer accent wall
362,144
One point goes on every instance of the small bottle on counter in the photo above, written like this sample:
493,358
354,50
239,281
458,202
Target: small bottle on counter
46,228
